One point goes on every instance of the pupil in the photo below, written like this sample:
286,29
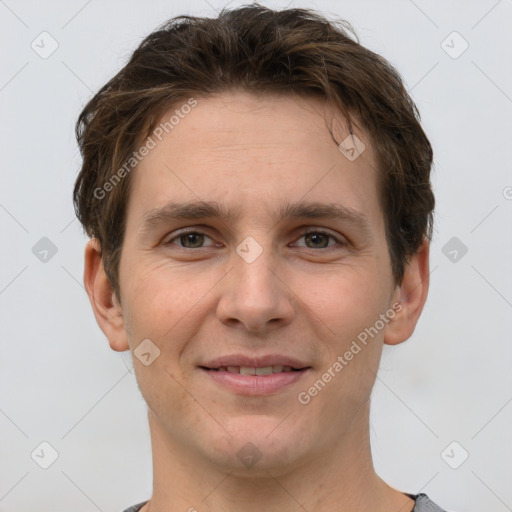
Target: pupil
315,237
189,237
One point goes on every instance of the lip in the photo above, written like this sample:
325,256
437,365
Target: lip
255,362
255,385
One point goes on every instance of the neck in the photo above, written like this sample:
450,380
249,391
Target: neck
343,480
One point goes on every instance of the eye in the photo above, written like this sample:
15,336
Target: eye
316,239
189,239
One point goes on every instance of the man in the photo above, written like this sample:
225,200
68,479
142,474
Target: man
256,189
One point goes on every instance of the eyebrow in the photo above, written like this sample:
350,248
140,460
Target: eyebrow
198,210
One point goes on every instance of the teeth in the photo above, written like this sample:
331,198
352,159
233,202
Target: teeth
244,370
264,371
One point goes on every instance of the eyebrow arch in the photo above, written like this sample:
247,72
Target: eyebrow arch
197,210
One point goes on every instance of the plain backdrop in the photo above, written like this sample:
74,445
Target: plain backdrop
442,404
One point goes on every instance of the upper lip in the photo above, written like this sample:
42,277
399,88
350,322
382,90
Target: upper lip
241,360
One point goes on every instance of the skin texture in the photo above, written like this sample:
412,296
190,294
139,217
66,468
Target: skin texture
304,297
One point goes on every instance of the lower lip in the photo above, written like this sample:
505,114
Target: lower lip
256,384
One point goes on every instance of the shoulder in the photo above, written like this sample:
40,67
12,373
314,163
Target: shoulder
136,508
424,504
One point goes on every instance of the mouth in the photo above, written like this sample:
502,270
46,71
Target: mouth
247,370
255,380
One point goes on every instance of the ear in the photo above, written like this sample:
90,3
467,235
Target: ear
411,296
105,305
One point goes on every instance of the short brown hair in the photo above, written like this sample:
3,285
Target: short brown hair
258,50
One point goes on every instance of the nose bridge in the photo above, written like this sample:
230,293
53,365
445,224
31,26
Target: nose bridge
253,274
253,293
253,266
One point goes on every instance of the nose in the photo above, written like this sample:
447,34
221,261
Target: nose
255,295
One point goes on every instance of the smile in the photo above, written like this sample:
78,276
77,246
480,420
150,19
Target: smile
245,370
251,381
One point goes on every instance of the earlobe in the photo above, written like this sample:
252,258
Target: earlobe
106,308
411,294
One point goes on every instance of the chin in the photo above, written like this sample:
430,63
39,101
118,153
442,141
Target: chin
256,446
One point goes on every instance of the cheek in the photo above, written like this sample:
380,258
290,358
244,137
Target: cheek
161,298
349,313
166,395
348,302
167,306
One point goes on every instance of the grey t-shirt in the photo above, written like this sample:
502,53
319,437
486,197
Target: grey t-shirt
423,504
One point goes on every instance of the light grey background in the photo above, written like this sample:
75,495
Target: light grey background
59,381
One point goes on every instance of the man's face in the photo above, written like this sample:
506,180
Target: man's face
255,285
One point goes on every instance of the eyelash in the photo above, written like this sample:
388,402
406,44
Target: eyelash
304,233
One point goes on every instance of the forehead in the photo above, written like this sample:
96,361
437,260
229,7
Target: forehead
244,149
